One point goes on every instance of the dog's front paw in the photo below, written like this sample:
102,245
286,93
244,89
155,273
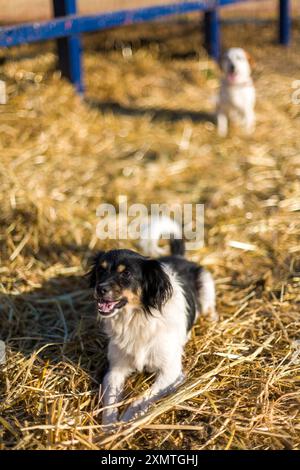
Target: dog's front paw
222,125
134,411
109,421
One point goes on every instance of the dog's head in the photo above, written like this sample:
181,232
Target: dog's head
236,66
124,281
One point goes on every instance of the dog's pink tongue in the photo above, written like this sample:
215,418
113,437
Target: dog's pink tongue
106,306
231,77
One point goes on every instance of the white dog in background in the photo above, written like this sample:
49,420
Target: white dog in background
237,93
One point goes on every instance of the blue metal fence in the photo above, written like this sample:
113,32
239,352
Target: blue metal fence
66,27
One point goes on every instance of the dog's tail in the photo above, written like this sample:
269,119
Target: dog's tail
161,227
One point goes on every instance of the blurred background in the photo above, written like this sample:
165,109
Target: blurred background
22,10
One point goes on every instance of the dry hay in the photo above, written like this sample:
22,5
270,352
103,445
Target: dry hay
146,131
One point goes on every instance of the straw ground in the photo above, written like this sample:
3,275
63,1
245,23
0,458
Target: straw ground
146,130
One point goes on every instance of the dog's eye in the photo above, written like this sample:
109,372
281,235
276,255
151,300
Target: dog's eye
126,273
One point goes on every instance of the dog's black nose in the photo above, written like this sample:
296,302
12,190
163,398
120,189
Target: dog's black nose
102,289
231,68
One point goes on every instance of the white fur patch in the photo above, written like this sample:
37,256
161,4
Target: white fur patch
208,296
156,228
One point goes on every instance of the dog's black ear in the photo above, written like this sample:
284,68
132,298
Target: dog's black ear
91,274
156,286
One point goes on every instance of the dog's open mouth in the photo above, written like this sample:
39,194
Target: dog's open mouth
107,307
231,77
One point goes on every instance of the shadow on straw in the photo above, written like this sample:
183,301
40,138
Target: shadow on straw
159,114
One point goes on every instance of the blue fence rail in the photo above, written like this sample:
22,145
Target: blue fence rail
66,27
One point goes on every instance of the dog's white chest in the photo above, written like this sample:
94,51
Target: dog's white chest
239,98
144,360
141,352
138,341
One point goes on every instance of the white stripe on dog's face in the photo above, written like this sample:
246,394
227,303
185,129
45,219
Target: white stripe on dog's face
235,66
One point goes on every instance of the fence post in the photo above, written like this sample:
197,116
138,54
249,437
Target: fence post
69,48
212,33
284,22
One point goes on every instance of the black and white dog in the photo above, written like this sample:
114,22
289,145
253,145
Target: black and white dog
148,307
